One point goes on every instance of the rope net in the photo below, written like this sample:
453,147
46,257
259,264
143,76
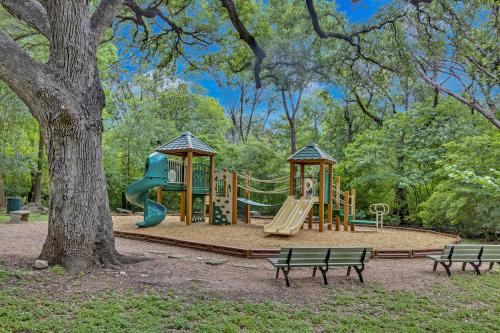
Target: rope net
267,181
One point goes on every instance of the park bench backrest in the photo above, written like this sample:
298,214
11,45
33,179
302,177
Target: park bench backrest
470,252
303,256
346,255
491,253
311,256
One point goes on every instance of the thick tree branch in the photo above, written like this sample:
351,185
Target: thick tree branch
248,38
103,16
351,38
31,12
364,108
470,103
19,71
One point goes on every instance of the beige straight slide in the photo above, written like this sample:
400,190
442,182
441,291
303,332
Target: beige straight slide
291,216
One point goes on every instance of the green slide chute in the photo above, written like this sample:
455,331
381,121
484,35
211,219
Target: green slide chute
137,193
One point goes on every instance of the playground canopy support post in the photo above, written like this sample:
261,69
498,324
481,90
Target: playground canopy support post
330,195
346,211
234,199
353,206
182,209
292,176
302,181
224,193
247,208
321,208
189,188
337,202
210,193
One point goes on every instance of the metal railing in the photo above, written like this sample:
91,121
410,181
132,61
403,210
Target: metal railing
176,172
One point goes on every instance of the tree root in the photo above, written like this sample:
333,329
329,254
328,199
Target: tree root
132,259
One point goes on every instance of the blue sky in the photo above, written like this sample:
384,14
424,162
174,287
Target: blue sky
357,12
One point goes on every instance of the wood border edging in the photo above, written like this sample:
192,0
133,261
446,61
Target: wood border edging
266,253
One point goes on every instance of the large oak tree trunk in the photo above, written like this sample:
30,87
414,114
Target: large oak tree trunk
66,97
80,228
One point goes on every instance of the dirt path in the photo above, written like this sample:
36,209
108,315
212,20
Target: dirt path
181,269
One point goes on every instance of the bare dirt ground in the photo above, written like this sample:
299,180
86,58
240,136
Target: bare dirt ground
251,235
186,269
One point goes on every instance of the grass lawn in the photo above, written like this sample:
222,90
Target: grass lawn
468,304
33,217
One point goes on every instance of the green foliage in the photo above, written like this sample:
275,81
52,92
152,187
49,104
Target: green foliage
467,198
407,153
18,144
148,112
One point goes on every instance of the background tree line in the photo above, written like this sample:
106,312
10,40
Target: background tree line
408,109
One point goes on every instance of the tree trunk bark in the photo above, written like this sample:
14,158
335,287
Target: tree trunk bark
36,185
80,231
293,137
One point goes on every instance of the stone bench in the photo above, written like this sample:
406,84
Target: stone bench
19,215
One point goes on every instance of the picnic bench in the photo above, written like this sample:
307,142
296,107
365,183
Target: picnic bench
473,254
322,259
19,215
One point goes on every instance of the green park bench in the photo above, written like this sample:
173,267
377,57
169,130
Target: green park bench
322,259
473,254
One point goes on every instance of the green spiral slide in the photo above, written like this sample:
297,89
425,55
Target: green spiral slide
137,193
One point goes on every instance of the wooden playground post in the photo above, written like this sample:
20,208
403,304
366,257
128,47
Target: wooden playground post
330,196
234,201
182,206
204,201
302,181
224,184
346,210
310,221
247,208
211,190
302,185
353,206
159,194
292,176
321,208
337,202
189,188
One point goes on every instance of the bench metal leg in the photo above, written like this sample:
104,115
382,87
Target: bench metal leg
314,271
323,272
435,266
277,272
285,273
491,266
446,267
359,271
348,270
476,267
463,266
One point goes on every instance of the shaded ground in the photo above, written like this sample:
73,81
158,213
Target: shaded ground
252,236
179,268
177,291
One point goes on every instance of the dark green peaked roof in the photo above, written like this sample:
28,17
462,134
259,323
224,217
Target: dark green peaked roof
184,143
311,152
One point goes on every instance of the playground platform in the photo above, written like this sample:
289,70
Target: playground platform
248,240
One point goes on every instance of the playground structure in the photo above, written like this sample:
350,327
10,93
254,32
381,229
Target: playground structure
194,180
172,168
